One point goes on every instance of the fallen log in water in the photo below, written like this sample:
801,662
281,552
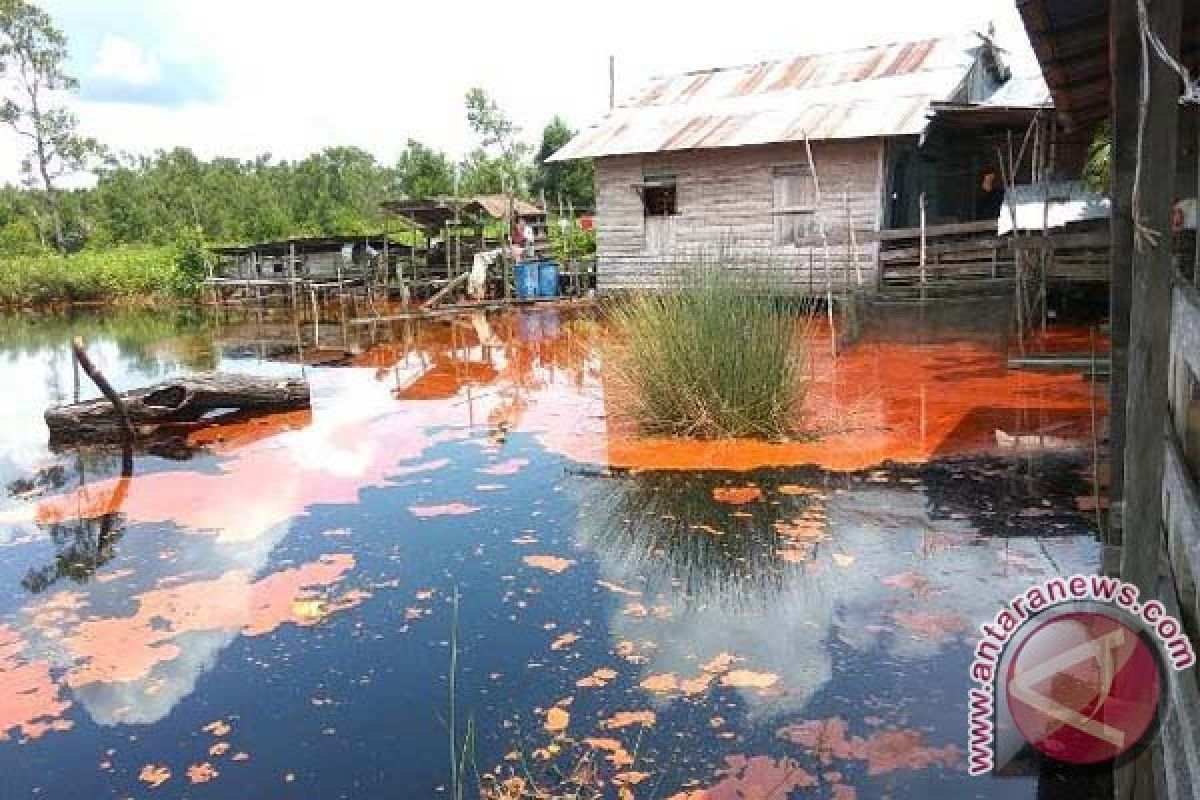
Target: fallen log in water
180,400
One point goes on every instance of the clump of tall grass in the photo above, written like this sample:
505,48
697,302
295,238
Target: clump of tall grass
718,354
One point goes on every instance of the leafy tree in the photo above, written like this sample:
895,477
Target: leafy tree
487,120
422,172
18,235
572,181
1096,172
338,185
501,162
483,174
32,52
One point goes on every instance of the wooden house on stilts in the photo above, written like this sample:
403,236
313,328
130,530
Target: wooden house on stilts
816,167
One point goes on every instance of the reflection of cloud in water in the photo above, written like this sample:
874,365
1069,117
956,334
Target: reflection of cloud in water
149,699
782,618
249,509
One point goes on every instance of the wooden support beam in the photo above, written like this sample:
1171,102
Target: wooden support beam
1146,402
1149,322
450,286
1125,58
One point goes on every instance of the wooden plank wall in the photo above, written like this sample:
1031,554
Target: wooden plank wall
724,209
1180,739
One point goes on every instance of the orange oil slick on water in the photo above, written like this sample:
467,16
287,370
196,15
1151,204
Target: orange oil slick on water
900,402
122,649
876,401
260,484
30,702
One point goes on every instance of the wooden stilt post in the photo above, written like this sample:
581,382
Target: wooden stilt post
1149,324
291,271
1125,56
385,273
1155,159
1196,218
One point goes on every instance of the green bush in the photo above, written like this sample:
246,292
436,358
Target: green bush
719,355
571,241
191,260
111,275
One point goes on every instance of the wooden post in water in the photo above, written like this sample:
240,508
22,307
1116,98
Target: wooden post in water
128,434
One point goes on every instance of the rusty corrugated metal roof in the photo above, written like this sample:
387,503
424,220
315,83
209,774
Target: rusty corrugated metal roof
872,91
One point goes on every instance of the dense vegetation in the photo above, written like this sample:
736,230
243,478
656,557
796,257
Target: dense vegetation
717,356
124,236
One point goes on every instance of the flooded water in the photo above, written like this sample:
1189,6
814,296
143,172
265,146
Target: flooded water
463,549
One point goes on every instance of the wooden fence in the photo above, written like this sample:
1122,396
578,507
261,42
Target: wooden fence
971,259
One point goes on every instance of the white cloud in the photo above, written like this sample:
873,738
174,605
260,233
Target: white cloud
126,62
295,77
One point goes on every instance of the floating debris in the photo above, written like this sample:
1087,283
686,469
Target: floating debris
552,564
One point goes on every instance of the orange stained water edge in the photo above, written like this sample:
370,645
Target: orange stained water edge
877,401
473,382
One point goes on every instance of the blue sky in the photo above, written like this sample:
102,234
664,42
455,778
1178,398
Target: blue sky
129,51
287,77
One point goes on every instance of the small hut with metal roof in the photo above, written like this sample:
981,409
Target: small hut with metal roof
303,265
802,165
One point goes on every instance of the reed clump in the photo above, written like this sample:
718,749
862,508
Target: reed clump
718,354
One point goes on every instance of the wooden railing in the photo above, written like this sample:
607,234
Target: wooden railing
970,258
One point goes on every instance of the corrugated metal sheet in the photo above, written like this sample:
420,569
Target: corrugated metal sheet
874,91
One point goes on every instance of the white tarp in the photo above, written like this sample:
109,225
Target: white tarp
1052,204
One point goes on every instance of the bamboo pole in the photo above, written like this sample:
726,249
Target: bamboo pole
923,250
849,252
812,166
1006,175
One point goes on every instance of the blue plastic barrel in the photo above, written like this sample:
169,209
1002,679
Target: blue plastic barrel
548,279
526,276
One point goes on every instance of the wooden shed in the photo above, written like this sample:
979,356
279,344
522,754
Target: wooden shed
319,258
800,165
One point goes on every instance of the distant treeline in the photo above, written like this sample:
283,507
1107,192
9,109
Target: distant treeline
173,194
140,233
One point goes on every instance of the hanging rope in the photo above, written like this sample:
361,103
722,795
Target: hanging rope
1191,88
1143,234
